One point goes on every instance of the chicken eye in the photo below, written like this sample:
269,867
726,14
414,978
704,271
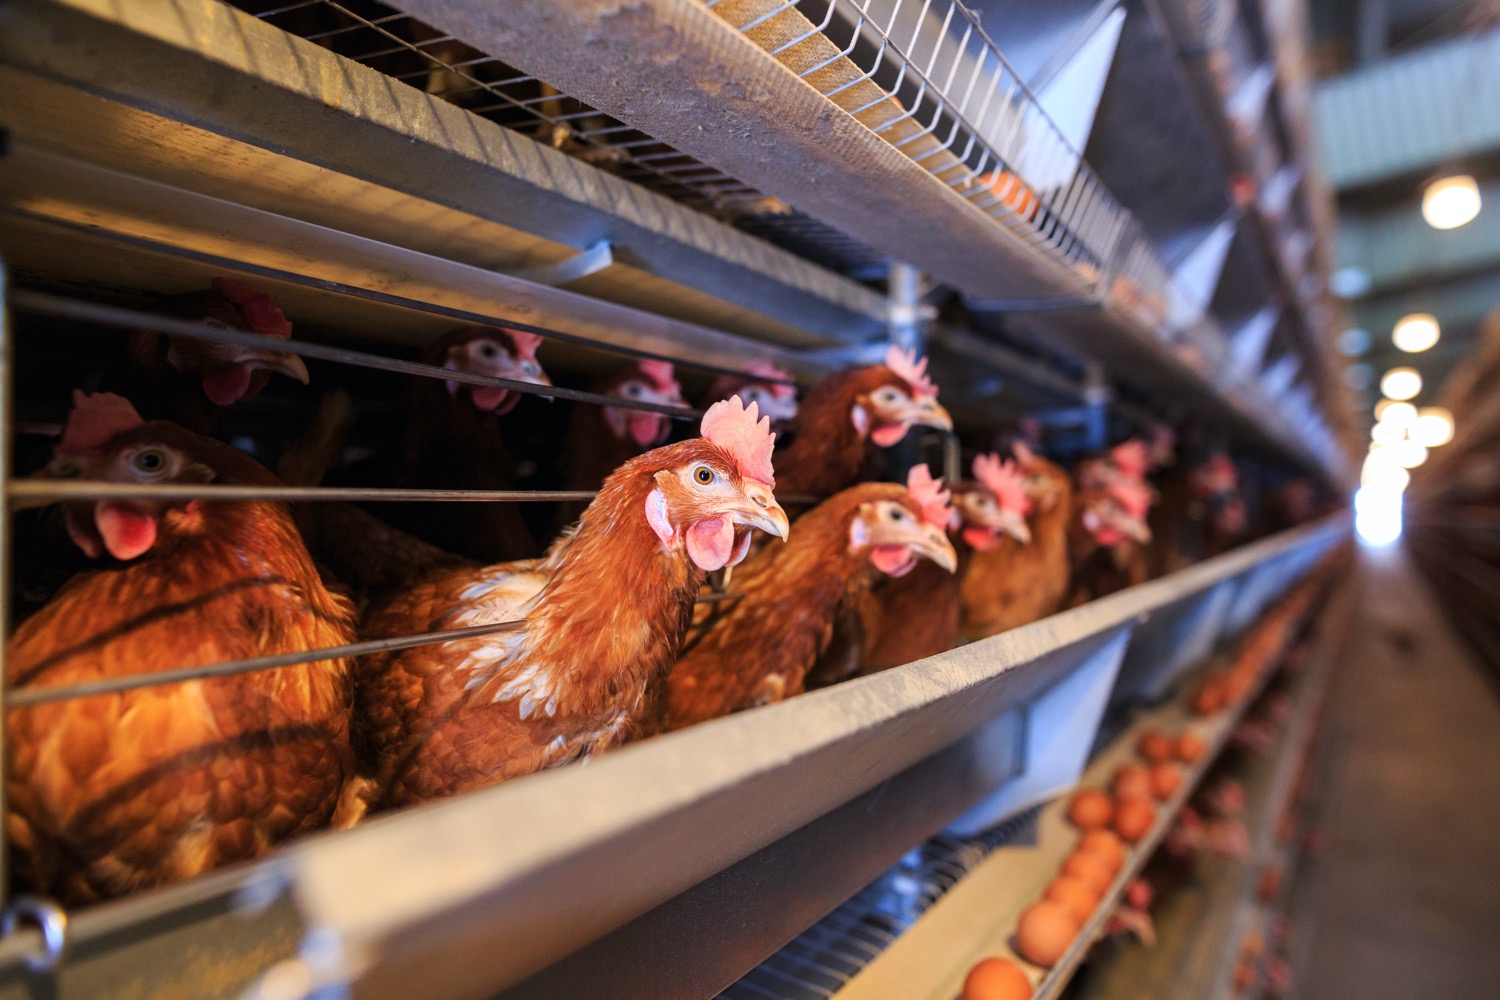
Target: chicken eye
633,391
150,461
897,514
704,475
489,350
887,395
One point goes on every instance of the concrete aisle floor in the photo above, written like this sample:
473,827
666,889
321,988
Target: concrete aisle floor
1405,901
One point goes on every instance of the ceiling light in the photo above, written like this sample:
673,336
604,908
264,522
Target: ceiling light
1401,383
1387,434
1349,282
1450,202
1409,454
1381,471
1433,428
1416,333
1353,341
1390,411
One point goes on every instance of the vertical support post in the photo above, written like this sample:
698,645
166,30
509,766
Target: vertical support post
7,423
1096,395
904,306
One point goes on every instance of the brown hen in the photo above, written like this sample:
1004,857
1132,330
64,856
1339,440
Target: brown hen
787,598
112,793
1017,583
604,616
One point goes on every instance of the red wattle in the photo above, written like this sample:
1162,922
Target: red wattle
488,398
710,543
893,560
127,532
888,434
648,429
227,387
981,539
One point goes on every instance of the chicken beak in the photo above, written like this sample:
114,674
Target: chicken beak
933,544
1014,525
1133,528
760,510
928,412
276,361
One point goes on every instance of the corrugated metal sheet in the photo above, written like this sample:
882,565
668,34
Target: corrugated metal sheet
1411,112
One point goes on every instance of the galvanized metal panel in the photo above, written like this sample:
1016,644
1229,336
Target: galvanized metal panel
1402,115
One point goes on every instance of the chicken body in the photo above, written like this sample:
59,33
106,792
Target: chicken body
604,615
455,442
1015,584
602,438
845,418
789,598
114,793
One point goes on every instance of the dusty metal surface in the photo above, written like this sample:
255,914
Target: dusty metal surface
210,99
684,75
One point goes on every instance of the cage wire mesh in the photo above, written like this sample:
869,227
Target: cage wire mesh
818,962
404,48
922,74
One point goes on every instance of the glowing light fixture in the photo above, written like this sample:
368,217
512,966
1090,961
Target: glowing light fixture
1450,202
1416,333
1377,516
1433,427
1390,411
1409,454
1381,472
1401,383
1387,434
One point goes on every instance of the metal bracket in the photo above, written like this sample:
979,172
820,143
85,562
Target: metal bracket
582,264
50,919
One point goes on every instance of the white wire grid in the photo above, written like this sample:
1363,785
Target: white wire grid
818,962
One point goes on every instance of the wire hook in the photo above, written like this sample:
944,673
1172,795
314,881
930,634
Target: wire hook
50,919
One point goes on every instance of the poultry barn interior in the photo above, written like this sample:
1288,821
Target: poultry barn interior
758,499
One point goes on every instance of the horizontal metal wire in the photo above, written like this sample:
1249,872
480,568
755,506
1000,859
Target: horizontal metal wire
24,494
385,298
26,696
114,316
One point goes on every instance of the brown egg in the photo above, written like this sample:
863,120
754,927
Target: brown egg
1131,782
997,979
1104,845
1210,697
1269,884
1090,809
1190,747
1080,897
1095,871
1165,780
1044,932
1133,819
1155,746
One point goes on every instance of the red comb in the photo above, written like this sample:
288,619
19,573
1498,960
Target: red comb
775,382
745,434
258,307
905,363
930,496
660,373
1131,458
95,421
1004,479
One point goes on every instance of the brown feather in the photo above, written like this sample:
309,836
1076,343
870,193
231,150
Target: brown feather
605,610
114,793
